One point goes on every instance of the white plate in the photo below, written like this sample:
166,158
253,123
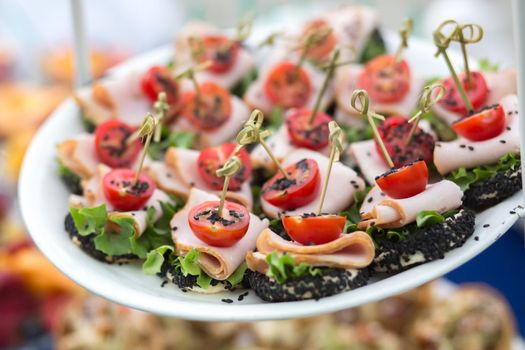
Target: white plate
43,200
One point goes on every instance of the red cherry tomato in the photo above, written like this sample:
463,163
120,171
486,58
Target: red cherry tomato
477,93
209,110
159,79
314,229
211,159
219,49
303,134
322,49
111,144
385,80
118,189
288,86
299,189
219,231
484,125
394,132
406,181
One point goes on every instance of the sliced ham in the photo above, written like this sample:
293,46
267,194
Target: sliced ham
179,174
281,145
224,133
349,251
462,153
242,66
365,155
391,213
344,182
371,163
351,25
346,82
118,97
500,84
255,96
93,196
217,262
78,154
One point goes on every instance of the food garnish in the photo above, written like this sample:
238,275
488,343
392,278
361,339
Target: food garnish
402,182
319,228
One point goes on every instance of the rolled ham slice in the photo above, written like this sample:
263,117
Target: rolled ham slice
179,174
349,251
351,25
281,146
217,262
500,84
93,196
346,82
242,66
391,213
119,97
78,154
462,153
255,96
344,182
370,163
224,133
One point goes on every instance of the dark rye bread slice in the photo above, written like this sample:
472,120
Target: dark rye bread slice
174,274
493,190
428,244
331,282
87,244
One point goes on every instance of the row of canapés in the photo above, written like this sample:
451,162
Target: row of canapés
212,197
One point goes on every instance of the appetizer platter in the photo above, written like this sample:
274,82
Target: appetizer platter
260,174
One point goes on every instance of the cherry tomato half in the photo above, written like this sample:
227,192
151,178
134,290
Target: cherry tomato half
394,133
218,49
404,182
111,144
210,109
484,125
288,86
314,229
303,134
322,49
122,194
385,80
299,189
213,158
477,93
215,230
159,79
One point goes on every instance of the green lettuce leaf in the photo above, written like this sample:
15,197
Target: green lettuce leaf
155,259
487,66
276,118
111,243
242,86
465,178
283,267
238,275
188,266
373,47
428,217
180,139
89,220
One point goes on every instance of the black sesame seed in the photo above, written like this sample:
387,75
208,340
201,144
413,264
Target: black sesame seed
502,141
227,300
486,225
163,284
470,148
476,238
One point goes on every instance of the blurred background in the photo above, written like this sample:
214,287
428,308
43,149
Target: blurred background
42,309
